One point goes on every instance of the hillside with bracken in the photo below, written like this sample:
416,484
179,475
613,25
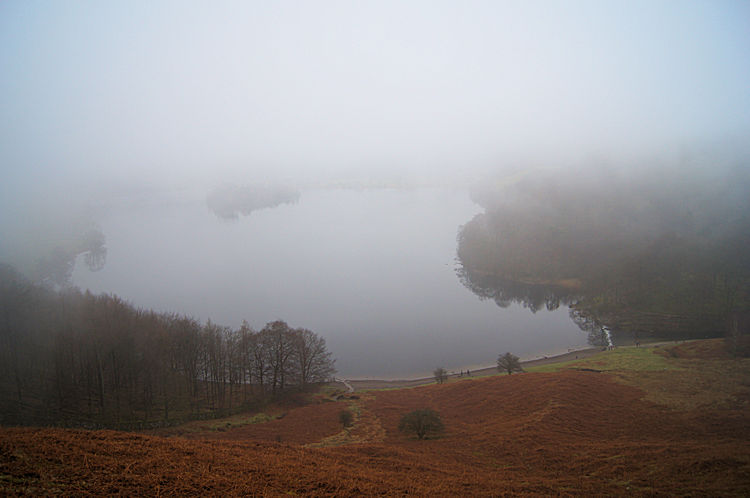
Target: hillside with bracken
636,421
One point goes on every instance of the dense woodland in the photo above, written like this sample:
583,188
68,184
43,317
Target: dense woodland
645,255
68,357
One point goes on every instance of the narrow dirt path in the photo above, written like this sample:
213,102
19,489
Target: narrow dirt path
366,427
346,383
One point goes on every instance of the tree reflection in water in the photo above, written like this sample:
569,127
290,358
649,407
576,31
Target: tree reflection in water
533,297
505,292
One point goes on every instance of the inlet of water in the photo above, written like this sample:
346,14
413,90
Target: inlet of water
371,271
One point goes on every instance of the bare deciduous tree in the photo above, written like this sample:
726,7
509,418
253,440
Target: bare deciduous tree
74,357
440,374
312,360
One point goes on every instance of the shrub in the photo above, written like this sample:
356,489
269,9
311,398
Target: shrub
422,423
260,418
346,418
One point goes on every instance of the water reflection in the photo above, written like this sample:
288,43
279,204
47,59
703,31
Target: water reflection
56,268
505,292
598,334
229,201
534,297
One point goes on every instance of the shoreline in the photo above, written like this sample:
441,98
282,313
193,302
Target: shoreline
364,384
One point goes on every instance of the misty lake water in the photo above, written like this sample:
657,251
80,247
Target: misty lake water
372,271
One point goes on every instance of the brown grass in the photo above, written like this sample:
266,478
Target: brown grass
564,433
302,425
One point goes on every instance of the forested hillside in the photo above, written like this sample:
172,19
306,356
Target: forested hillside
642,254
94,360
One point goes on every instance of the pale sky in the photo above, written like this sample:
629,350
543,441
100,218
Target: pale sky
163,93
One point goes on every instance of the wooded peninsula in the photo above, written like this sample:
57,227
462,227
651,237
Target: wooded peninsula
647,257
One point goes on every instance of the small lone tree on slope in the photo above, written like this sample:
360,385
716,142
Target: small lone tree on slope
440,374
508,362
422,422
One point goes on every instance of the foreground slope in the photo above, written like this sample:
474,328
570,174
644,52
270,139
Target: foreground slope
567,432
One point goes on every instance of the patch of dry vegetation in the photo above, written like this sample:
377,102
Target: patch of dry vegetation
301,425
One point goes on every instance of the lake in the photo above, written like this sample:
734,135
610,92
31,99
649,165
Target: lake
372,271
